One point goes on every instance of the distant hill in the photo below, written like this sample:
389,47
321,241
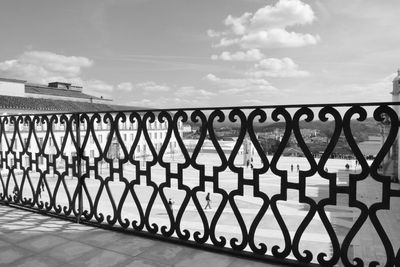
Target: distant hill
360,129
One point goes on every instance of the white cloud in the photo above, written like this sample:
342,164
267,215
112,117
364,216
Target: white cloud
253,102
285,13
227,42
239,85
267,27
275,67
372,91
151,86
239,24
174,97
98,85
212,33
43,67
166,102
250,55
276,38
141,103
125,86
166,96
98,88
190,91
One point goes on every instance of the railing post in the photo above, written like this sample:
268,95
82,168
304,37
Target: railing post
78,165
396,144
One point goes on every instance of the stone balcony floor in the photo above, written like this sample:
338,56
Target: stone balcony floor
31,239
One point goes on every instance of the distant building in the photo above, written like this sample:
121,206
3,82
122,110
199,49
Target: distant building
187,128
372,146
292,152
309,132
21,97
391,163
53,90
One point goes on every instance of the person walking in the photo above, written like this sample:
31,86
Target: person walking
291,167
298,167
41,188
208,199
15,192
170,204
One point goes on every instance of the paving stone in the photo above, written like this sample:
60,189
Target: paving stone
100,258
3,243
66,265
16,237
37,261
12,254
100,238
201,258
42,243
74,231
167,253
137,262
131,245
72,234
249,263
68,251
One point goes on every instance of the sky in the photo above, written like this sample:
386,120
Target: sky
206,53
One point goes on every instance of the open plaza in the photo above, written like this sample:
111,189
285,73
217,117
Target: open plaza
315,237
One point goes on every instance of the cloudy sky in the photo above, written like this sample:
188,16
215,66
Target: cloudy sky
195,53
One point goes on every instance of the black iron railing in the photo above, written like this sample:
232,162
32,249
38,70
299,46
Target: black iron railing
294,184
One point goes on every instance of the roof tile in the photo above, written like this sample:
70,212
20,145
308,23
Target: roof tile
41,90
40,104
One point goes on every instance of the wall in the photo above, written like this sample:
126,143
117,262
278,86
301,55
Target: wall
10,88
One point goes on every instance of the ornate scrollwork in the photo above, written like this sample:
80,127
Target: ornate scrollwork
70,164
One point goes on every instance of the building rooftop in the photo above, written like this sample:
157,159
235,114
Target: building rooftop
59,92
40,104
12,80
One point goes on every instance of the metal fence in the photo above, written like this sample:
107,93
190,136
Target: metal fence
279,187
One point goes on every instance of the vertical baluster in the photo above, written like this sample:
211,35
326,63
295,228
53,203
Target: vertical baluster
79,154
